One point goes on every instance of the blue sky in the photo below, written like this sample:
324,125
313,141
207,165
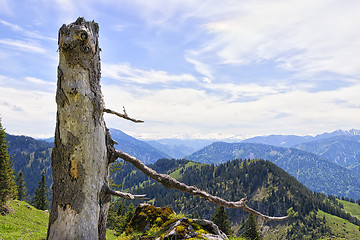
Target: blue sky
192,69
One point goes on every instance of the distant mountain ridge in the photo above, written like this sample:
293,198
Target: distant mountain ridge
315,172
179,148
31,156
344,150
292,140
137,148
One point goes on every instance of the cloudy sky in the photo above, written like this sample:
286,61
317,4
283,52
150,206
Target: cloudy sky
191,68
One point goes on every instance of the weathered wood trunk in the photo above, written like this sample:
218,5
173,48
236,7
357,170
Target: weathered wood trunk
79,158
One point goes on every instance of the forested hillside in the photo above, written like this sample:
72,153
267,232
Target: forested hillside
343,150
31,156
268,188
315,172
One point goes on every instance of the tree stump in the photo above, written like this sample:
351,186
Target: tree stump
79,158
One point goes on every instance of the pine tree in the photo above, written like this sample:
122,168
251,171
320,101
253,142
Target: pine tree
7,183
251,230
221,219
40,200
21,187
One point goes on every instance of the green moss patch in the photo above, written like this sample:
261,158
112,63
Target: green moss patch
151,222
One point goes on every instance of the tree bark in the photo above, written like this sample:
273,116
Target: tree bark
79,158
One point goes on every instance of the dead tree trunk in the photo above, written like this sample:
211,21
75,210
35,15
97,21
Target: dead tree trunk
79,158
83,147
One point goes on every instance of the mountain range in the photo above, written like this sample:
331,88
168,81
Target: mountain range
344,150
139,149
314,171
293,140
326,163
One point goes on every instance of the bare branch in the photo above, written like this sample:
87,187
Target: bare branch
170,182
122,115
124,195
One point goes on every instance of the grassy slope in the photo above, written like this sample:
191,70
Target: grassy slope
341,228
177,175
26,222
352,208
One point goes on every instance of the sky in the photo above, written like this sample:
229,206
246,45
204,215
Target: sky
192,69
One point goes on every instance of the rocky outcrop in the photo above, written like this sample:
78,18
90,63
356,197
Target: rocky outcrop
151,222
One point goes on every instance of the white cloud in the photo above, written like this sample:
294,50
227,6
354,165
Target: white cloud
188,112
36,84
244,92
25,46
201,68
27,112
125,73
39,81
14,27
27,33
299,35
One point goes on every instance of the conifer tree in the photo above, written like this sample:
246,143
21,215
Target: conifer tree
251,229
21,187
221,219
40,200
7,182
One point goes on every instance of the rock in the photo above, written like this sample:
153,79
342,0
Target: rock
163,224
212,228
145,216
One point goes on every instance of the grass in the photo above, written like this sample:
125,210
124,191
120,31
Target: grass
28,223
341,228
25,222
177,175
352,208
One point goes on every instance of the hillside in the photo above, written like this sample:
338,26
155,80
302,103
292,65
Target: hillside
179,148
27,223
31,156
140,149
343,150
23,222
268,188
315,172
279,140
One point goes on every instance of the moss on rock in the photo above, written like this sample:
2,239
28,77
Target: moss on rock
150,222
145,216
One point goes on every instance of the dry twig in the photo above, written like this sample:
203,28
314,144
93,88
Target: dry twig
122,115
